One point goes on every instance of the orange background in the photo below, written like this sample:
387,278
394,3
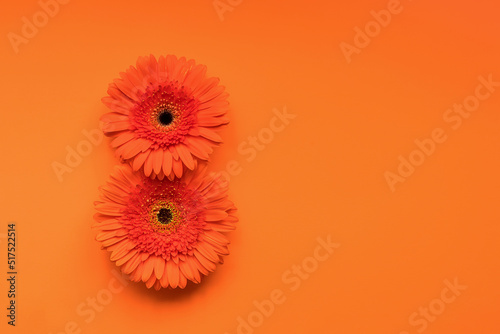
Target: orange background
322,175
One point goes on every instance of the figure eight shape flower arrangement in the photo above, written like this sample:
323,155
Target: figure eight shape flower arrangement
161,215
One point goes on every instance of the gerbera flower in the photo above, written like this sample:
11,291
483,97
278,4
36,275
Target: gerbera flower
165,115
164,232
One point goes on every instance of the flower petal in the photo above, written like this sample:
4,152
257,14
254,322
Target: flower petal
177,167
209,265
126,257
214,215
196,150
131,264
173,273
217,237
112,241
207,251
159,267
151,281
186,157
148,165
148,268
167,163
157,157
186,271
136,275
210,134
182,281
140,159
116,126
122,139
120,252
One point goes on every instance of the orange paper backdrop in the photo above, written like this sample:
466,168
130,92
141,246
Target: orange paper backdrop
363,152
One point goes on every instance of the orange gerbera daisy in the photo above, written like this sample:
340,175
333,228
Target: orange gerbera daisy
164,232
165,115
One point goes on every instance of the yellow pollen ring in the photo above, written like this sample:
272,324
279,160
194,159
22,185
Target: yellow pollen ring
163,106
174,222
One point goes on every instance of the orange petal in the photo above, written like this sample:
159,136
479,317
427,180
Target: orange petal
112,196
185,156
173,273
165,282
210,134
182,281
207,251
177,167
195,76
221,226
194,269
131,264
151,281
215,107
170,63
136,275
148,165
148,268
217,237
109,226
159,267
157,156
211,94
103,223
127,257
208,84
120,252
174,153
116,126
119,109
214,215
139,160
206,263
162,75
218,248
196,150
186,270
105,235
199,266
122,139
120,98
112,241
130,149
126,87
218,203
202,144
167,162
123,243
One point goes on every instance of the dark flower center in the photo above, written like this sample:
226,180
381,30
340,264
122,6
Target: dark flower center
164,216
165,117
